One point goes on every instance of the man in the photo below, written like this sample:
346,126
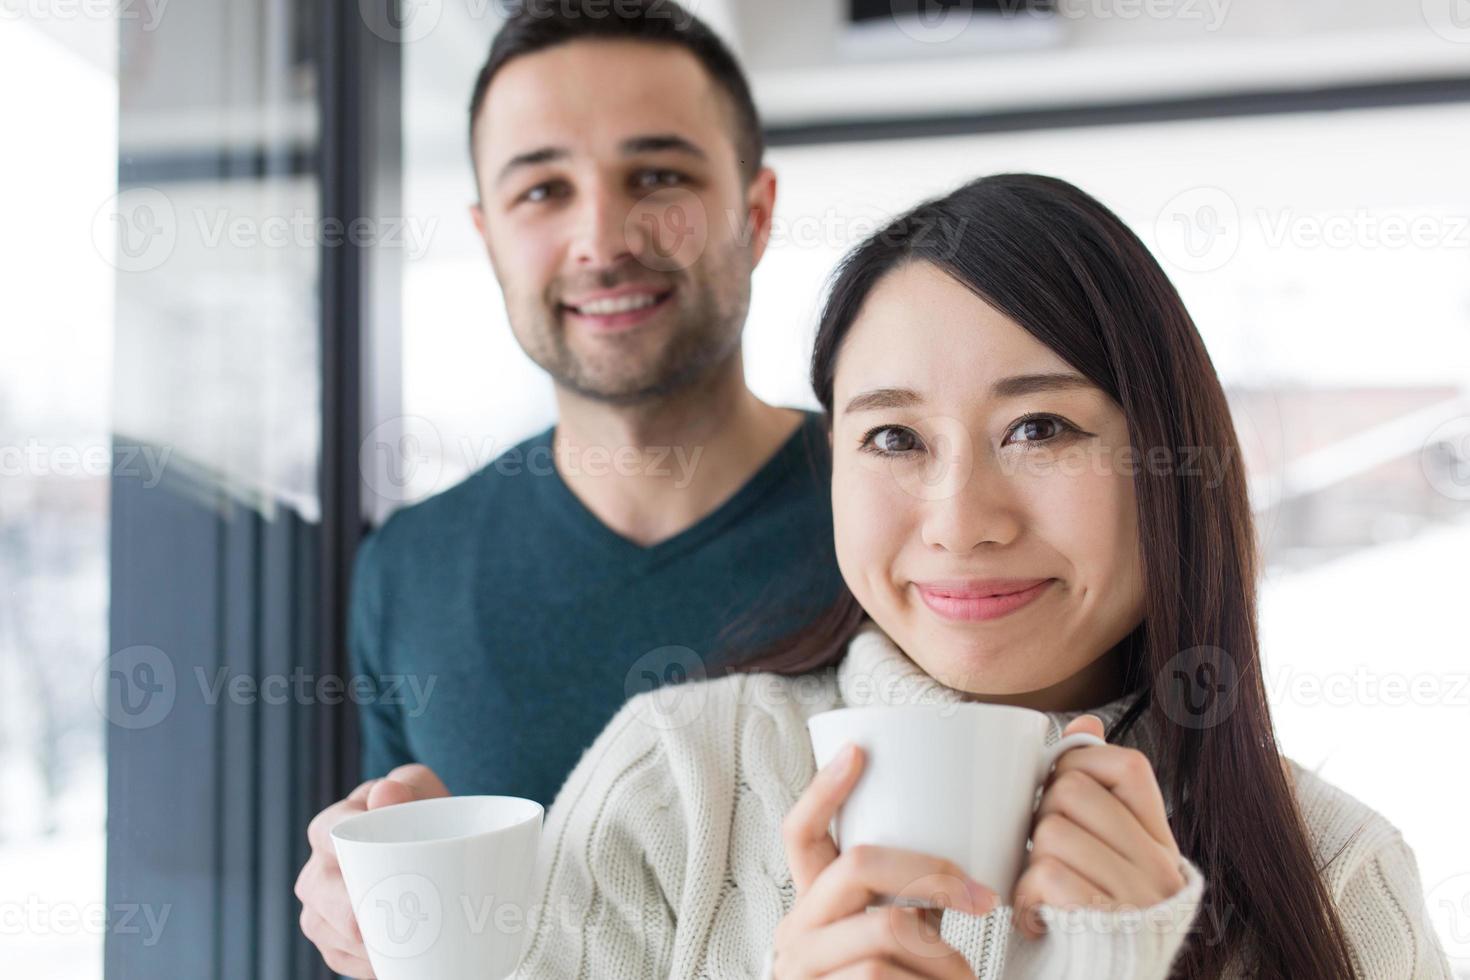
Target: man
624,205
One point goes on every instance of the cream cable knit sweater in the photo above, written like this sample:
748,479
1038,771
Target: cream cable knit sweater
662,855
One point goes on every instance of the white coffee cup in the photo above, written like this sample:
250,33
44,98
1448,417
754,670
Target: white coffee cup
957,781
442,888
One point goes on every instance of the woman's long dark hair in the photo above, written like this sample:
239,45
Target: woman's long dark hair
1067,270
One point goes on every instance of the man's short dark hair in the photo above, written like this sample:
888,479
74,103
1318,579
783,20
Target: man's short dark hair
536,25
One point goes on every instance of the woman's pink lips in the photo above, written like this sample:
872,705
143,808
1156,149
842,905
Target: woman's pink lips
979,601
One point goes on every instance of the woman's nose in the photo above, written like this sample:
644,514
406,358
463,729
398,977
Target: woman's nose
969,503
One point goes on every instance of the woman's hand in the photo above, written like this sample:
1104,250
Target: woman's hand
829,932
1101,838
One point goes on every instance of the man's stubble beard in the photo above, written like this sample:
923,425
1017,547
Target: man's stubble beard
706,336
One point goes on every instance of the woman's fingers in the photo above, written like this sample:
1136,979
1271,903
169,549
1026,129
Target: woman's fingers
1081,799
809,847
1112,877
1128,775
864,874
904,937
1047,881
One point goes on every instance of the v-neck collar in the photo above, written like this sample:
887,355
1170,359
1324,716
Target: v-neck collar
795,451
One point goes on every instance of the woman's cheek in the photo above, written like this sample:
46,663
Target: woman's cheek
869,517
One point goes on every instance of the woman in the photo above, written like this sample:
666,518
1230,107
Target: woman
1014,392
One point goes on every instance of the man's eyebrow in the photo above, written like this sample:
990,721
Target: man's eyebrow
1032,384
1012,387
633,146
661,143
531,158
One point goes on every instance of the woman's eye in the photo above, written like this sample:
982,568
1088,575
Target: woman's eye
1039,428
891,440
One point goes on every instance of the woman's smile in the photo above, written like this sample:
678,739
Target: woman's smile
978,600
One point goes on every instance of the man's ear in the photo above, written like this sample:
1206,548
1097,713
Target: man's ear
477,216
760,207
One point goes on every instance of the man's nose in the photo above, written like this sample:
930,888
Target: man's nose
603,238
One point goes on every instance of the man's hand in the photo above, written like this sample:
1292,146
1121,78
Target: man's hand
326,911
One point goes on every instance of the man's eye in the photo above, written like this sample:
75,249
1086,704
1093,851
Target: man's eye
890,440
650,180
544,192
1038,428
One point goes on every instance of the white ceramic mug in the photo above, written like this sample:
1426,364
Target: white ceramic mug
441,888
958,781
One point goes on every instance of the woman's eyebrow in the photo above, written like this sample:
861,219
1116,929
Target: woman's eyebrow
882,398
1032,384
878,399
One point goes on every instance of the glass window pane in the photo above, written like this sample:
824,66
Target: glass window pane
55,457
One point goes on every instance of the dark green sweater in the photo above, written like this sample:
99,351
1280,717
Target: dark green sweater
504,624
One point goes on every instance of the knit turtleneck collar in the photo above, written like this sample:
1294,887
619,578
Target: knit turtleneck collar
876,672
